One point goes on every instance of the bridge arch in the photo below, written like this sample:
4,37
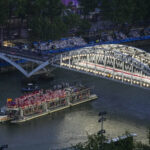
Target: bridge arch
118,62
21,69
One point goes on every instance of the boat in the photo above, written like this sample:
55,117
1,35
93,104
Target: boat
30,87
43,102
3,116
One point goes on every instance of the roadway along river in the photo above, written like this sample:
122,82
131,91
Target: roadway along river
128,110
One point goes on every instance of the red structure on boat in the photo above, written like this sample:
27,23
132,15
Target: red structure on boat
35,98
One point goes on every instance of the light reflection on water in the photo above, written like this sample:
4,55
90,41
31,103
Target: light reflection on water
127,107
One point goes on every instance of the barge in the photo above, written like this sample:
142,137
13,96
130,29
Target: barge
43,102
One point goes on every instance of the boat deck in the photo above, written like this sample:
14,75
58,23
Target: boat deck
92,97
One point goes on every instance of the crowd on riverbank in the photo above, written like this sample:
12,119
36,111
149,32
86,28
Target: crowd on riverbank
60,44
109,37
113,35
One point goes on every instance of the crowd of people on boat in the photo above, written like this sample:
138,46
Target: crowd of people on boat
35,98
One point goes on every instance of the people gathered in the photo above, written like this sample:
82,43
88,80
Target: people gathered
60,44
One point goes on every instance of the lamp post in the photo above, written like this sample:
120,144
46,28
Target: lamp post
102,131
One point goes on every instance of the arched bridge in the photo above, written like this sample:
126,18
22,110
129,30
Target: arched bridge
121,63
10,55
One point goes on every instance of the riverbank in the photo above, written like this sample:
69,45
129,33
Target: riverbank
143,44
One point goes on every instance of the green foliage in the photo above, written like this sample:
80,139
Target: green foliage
88,5
72,20
47,8
21,8
84,27
4,11
43,28
141,146
125,11
93,143
148,135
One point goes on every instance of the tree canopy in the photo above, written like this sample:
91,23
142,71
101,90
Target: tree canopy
125,11
88,5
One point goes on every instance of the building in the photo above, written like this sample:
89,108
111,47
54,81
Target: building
74,3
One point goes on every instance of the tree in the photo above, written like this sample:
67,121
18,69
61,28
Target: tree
47,8
72,20
84,27
125,11
20,12
148,135
88,5
45,19
3,16
118,11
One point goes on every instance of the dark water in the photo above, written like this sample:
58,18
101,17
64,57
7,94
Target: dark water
128,110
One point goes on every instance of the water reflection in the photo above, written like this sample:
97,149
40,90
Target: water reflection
127,107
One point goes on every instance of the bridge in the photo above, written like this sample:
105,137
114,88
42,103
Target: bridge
120,63
10,55
117,62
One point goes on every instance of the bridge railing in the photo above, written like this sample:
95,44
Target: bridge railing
93,43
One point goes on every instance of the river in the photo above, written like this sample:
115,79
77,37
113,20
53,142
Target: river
128,109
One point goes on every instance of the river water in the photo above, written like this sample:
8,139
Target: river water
128,109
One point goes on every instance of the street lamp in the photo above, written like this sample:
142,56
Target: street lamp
102,131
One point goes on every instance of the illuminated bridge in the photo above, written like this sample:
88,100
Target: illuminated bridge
121,63
37,61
